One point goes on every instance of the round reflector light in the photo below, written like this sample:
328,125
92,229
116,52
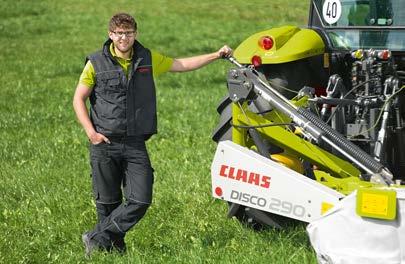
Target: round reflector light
256,61
266,42
218,191
384,54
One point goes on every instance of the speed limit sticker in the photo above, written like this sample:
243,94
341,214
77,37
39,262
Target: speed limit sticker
331,11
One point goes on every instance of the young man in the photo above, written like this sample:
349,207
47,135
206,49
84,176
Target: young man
119,81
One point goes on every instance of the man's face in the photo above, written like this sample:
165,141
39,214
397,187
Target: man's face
123,38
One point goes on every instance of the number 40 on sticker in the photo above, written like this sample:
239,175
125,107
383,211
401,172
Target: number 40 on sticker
331,11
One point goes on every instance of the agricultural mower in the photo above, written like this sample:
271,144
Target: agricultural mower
314,114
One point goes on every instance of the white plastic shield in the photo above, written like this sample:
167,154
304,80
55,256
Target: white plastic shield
242,176
341,236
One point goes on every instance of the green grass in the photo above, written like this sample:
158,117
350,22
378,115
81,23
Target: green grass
45,189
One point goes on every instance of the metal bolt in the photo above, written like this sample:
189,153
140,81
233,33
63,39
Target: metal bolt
247,85
234,98
234,74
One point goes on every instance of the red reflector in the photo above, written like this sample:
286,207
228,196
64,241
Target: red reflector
256,61
384,54
266,42
218,191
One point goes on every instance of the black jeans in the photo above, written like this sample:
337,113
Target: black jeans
122,165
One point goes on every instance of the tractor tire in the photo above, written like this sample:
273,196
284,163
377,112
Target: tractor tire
223,131
250,217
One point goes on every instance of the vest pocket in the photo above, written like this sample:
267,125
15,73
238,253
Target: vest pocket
109,80
113,86
113,82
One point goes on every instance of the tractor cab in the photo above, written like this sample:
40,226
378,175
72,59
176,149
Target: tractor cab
359,24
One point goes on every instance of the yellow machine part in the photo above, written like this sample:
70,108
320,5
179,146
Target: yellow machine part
289,161
286,160
290,43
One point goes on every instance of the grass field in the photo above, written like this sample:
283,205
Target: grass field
45,192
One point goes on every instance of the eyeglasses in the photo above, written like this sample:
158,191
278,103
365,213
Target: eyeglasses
120,34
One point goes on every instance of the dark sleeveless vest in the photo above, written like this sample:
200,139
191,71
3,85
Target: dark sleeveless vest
119,105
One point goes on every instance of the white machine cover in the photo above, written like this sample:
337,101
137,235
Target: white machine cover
341,236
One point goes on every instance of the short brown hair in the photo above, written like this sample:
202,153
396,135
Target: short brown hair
122,20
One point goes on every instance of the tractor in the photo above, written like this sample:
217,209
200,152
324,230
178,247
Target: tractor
313,114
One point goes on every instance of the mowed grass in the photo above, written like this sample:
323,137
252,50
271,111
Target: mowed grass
45,187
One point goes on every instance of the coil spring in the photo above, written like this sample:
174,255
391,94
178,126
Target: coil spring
342,142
